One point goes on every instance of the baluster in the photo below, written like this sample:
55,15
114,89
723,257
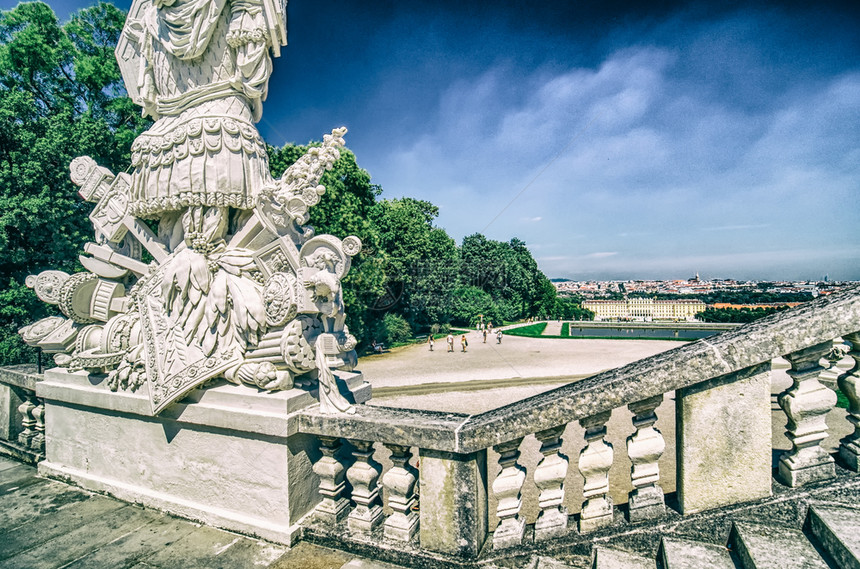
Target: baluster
645,447
549,478
595,461
506,489
333,508
27,421
363,475
400,483
806,404
38,441
849,448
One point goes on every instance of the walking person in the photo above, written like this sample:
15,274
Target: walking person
464,342
430,341
499,336
485,335
450,340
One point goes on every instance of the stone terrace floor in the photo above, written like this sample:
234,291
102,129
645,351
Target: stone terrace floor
46,524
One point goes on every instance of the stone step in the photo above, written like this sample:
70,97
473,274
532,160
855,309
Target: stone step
552,563
837,529
773,547
688,554
368,564
608,558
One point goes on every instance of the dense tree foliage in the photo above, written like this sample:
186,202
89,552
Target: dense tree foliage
61,96
733,296
740,315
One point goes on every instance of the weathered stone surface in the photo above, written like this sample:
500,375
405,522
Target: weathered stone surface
763,547
228,457
608,558
138,544
400,483
453,502
208,548
367,564
837,529
44,528
549,476
78,541
506,489
15,382
686,554
723,448
806,405
645,447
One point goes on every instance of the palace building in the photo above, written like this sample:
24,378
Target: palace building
645,309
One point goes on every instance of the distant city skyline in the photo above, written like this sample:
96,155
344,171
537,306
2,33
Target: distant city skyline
617,139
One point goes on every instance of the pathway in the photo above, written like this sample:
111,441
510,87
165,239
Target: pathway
553,328
515,358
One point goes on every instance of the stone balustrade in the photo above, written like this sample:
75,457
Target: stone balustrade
22,414
721,387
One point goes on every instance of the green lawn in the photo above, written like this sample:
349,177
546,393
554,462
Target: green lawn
530,331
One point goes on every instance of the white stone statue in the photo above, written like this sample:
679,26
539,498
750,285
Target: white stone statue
239,287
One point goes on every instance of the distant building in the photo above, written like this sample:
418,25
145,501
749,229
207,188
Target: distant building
645,309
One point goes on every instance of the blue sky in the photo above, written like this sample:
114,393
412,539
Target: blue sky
617,140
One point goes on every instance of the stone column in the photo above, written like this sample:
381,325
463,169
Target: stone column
453,502
723,440
549,478
645,447
363,475
333,508
595,460
38,441
830,375
400,482
806,404
28,422
506,489
849,448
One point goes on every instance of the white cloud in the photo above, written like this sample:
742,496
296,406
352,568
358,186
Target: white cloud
658,171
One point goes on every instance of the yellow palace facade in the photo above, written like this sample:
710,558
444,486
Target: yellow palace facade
645,309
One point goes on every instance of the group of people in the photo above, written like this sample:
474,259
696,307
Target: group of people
464,343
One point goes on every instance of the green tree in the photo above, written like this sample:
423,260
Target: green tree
61,96
420,260
737,315
509,274
392,329
470,303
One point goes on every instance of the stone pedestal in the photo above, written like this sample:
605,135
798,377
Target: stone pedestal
228,456
723,431
453,502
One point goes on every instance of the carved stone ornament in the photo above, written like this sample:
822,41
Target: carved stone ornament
239,286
